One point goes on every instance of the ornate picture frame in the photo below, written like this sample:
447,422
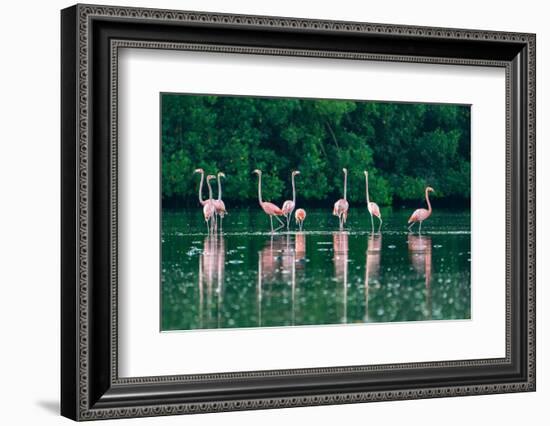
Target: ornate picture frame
91,37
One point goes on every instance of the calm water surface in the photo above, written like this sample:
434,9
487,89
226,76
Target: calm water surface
247,277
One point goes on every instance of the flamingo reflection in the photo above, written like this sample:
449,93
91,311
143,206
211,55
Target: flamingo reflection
340,259
277,263
269,268
372,265
300,248
211,277
420,255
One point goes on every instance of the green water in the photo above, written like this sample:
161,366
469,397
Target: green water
246,277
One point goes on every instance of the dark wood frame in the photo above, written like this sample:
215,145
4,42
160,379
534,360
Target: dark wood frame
91,37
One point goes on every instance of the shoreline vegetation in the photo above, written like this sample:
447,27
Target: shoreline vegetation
448,203
404,146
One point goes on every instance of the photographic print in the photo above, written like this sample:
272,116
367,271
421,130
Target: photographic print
305,212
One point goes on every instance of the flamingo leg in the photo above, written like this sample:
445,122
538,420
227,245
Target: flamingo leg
410,227
372,223
208,225
221,223
380,226
281,222
420,228
271,220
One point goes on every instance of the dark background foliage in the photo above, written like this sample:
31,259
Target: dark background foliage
404,147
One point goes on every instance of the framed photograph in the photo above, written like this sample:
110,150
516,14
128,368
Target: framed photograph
263,212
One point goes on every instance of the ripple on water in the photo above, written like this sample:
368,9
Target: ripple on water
193,251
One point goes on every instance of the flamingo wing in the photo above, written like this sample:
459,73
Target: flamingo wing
341,208
374,209
220,207
413,217
419,215
288,206
271,209
208,210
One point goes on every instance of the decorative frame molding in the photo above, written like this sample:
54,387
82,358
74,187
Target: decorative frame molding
91,388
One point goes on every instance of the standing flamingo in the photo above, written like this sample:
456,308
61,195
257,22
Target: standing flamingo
288,206
341,206
201,171
300,216
420,215
219,205
373,208
269,208
208,209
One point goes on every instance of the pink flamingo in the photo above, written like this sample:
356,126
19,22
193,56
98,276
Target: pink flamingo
420,215
288,206
373,208
201,171
300,216
219,205
269,208
208,209
341,206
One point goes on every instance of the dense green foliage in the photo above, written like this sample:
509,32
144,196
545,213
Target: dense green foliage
403,146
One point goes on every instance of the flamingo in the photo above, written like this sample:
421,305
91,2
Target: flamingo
208,209
300,216
373,208
219,205
341,206
288,206
201,171
420,215
269,208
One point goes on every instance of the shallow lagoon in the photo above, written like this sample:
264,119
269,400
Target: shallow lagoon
247,277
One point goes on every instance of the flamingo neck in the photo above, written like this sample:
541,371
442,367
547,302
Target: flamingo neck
428,201
293,191
209,189
200,188
345,186
219,189
367,188
260,188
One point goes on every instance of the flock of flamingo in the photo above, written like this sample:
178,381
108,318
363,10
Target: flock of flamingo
214,209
